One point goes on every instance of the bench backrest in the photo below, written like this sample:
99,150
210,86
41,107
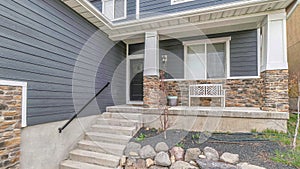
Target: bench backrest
209,90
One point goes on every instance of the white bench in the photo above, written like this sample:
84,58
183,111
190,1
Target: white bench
207,90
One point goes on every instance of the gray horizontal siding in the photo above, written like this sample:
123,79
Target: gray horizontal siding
58,53
243,53
161,7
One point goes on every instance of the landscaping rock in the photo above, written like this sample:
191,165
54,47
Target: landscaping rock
132,149
248,166
123,161
149,162
230,158
192,154
208,164
147,152
172,159
162,159
177,152
182,165
161,146
130,161
157,167
140,164
193,163
211,154
202,156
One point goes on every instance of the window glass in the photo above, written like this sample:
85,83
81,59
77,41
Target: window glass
206,61
119,9
216,60
108,8
196,62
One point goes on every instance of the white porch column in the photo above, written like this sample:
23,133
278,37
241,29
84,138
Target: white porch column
274,65
151,70
151,58
274,54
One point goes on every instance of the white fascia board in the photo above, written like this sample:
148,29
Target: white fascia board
24,97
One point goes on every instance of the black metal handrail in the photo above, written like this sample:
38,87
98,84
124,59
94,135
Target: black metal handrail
76,114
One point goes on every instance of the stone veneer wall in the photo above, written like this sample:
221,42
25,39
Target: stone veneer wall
239,92
275,90
10,126
270,92
151,91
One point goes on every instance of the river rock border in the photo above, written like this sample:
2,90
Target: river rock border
163,157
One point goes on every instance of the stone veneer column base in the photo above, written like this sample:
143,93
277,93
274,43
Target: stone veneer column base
10,128
275,90
151,91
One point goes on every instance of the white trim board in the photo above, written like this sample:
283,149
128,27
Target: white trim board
24,97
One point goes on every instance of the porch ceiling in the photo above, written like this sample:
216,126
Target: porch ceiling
232,16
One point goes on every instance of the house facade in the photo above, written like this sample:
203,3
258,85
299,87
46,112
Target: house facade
56,55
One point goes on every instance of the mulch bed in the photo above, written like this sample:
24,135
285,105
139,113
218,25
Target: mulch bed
250,147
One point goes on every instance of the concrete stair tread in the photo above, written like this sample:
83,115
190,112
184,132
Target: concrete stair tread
114,127
111,160
109,120
113,136
70,164
102,145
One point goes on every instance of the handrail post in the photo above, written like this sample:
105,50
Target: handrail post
76,114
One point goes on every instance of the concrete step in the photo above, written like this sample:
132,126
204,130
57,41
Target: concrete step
122,115
107,138
69,164
95,158
108,148
128,131
117,122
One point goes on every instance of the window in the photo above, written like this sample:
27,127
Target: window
207,59
114,9
173,2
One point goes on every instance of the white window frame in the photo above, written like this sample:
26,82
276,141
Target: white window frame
24,97
113,10
174,2
225,40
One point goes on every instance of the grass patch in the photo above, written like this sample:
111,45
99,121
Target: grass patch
288,157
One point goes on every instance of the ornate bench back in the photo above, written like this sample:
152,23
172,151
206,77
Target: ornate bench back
206,90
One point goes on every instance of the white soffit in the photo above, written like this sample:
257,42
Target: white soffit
247,11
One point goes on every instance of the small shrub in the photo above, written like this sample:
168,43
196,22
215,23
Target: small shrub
141,137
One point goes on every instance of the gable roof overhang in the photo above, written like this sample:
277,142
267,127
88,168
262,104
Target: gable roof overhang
245,14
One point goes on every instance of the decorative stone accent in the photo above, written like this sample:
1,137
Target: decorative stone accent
248,166
230,158
207,164
275,90
132,149
147,152
211,154
161,146
10,127
151,91
182,165
194,160
192,154
177,152
162,159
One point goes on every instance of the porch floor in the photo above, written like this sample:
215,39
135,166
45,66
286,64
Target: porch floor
233,112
